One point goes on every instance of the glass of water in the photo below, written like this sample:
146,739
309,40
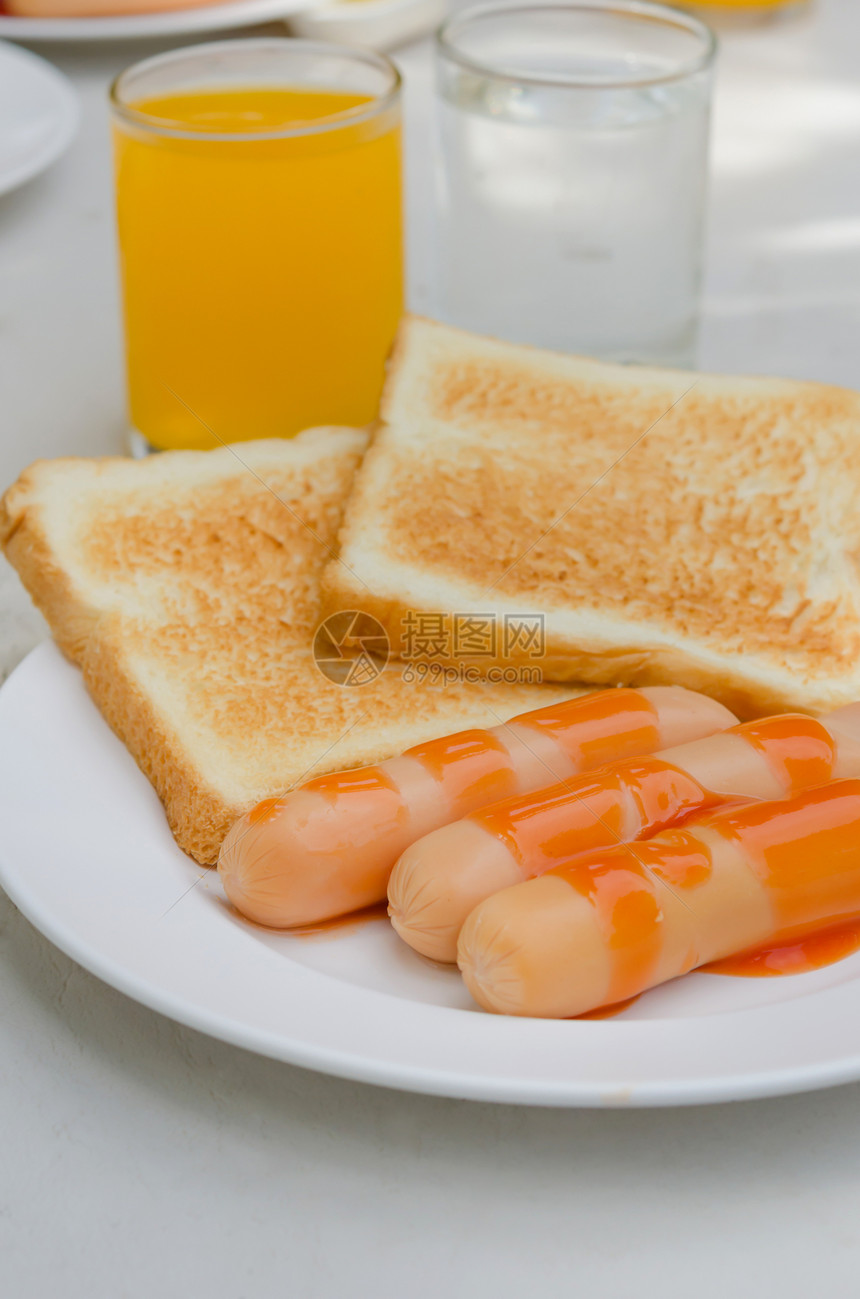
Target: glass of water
571,176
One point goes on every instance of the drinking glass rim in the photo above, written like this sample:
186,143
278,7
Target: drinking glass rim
165,126
626,8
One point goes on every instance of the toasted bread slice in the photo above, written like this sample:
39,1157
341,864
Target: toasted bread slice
669,527
187,588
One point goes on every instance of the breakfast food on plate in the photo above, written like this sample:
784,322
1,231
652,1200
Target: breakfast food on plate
186,587
670,527
441,877
604,927
570,848
327,848
98,8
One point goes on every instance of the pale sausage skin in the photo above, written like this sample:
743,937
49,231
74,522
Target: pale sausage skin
607,926
327,848
441,877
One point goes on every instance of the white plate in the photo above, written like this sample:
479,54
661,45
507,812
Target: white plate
87,856
38,115
176,22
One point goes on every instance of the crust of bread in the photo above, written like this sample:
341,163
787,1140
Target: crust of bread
186,588
197,812
27,549
598,663
669,527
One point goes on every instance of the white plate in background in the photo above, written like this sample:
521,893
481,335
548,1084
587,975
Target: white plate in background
38,115
174,22
86,854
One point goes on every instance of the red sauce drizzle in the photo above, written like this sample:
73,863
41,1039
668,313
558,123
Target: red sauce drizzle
680,860
473,767
625,898
265,811
359,780
599,728
799,750
812,952
664,795
806,854
548,827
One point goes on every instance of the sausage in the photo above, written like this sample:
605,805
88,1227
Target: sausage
327,848
606,926
441,877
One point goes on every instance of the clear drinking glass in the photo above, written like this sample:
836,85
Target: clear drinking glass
571,175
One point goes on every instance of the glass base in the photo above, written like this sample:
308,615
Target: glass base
138,447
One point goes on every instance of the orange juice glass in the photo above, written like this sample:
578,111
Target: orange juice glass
260,236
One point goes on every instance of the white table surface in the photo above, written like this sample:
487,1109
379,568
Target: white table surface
142,1159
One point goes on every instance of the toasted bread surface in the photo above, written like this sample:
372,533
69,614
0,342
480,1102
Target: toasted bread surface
668,526
187,589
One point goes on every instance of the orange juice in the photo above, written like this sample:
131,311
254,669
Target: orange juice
261,253
740,7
